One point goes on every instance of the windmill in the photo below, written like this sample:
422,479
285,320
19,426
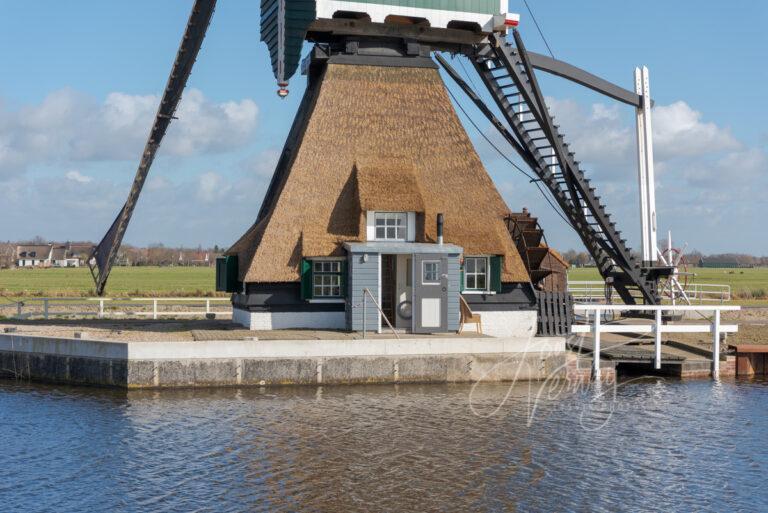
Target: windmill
672,287
360,33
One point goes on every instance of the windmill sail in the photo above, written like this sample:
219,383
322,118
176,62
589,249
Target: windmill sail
105,253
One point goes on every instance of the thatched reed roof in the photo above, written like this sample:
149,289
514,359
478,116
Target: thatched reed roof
383,138
388,184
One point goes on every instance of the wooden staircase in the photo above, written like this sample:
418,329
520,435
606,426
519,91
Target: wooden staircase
529,239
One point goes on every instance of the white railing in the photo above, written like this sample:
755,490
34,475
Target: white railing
154,307
594,292
588,291
657,327
708,292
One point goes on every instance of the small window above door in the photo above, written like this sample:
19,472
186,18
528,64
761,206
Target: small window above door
391,226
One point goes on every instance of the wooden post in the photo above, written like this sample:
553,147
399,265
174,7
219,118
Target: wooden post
45,308
657,340
101,308
596,355
716,345
154,308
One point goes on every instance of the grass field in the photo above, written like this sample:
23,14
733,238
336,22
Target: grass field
199,281
123,281
745,283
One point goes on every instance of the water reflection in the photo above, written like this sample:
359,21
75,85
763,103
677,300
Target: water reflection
646,444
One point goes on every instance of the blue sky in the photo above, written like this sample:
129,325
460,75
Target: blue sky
80,80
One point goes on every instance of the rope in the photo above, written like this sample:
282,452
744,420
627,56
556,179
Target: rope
533,180
538,28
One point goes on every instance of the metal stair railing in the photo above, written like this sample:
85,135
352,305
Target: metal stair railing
509,77
367,293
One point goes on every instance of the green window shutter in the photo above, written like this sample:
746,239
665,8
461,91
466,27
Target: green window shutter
306,279
232,284
221,274
226,274
344,279
496,273
461,278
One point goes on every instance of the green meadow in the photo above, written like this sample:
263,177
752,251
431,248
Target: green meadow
199,281
745,283
123,281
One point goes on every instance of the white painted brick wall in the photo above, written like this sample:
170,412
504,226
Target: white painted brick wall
287,320
508,324
521,324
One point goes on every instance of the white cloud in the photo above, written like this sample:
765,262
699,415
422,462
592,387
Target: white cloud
603,137
76,176
679,131
733,173
707,181
598,135
157,183
262,164
212,187
68,126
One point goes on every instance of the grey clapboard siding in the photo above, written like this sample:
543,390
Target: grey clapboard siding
362,275
454,275
366,275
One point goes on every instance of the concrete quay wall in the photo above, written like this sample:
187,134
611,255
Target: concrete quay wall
280,362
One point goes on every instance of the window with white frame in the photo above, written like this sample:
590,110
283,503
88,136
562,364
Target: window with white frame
476,273
430,272
391,225
326,278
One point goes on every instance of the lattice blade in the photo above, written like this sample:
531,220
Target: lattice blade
105,253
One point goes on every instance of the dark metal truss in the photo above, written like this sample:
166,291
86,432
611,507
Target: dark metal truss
508,72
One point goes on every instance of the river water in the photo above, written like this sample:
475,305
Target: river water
643,445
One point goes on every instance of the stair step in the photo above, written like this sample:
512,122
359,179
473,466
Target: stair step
534,256
537,275
591,220
533,237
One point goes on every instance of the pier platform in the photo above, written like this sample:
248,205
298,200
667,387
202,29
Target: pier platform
291,357
630,353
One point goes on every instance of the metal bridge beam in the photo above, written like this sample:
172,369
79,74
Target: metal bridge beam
584,78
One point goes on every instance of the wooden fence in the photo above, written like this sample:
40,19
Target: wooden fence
555,313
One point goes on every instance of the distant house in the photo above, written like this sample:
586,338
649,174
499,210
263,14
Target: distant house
80,250
52,255
34,255
61,257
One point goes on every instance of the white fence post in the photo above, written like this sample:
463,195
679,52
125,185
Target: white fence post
48,307
657,340
596,355
365,299
713,326
716,345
